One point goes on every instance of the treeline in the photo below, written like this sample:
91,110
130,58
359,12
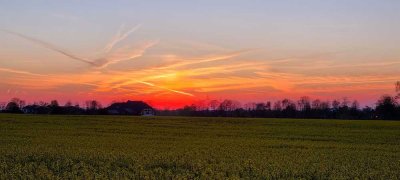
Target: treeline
387,108
17,105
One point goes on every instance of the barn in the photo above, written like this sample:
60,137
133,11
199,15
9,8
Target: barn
136,108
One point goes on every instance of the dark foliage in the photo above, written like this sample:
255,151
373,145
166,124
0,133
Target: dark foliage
387,108
92,108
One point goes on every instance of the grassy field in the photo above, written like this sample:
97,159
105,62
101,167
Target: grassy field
196,148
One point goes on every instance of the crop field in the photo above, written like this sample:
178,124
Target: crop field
119,147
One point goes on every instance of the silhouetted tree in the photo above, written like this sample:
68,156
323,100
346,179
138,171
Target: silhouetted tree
335,105
345,103
93,107
354,110
278,106
304,106
250,106
288,108
386,108
316,104
68,104
229,105
13,107
213,105
268,106
55,107
368,113
20,103
41,103
2,106
201,105
325,110
54,103
188,110
304,103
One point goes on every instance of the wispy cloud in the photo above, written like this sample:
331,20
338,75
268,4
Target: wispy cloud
124,55
19,72
187,62
186,77
48,46
168,89
99,63
119,37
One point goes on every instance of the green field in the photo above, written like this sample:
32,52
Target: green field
196,148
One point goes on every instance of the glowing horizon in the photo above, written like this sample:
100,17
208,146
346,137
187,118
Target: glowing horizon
258,51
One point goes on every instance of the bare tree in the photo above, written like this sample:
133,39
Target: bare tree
68,104
268,105
398,89
93,105
2,105
288,104
325,105
386,107
335,104
42,103
304,103
20,103
229,105
54,103
213,105
250,106
278,106
201,105
355,105
345,102
317,104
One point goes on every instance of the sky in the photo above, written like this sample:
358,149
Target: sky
176,52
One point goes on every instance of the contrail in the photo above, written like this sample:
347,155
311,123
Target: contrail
99,63
19,72
156,86
104,62
206,60
175,91
48,46
119,37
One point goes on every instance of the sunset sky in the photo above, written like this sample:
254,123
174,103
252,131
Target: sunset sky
176,52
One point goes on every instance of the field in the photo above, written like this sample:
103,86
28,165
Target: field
87,147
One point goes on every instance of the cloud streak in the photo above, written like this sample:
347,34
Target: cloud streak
48,46
120,37
204,60
99,63
168,89
124,56
19,72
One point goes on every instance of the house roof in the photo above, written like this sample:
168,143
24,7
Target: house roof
129,107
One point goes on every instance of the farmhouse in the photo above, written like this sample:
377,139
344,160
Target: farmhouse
136,108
